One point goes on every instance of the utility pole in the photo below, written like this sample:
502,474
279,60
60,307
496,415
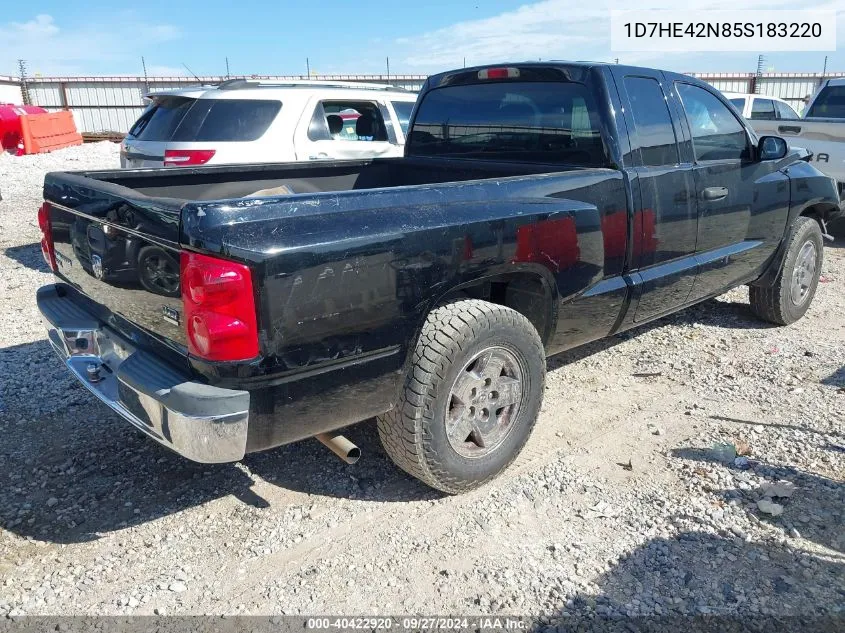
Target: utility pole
388,68
308,67
465,62
824,70
227,68
24,86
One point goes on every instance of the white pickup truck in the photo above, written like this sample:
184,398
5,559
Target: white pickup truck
821,130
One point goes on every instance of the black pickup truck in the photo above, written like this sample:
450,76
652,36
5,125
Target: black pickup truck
230,309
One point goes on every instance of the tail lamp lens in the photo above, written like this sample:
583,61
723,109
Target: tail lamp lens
219,308
47,248
187,157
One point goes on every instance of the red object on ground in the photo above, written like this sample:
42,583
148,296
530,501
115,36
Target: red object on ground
10,123
48,131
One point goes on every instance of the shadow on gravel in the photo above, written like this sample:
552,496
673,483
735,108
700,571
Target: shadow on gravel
816,510
71,469
723,418
28,255
704,578
836,379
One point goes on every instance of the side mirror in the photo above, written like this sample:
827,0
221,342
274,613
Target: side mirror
771,148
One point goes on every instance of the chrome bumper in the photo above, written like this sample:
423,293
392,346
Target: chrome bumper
203,423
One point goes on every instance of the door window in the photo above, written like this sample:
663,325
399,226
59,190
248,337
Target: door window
763,109
347,121
785,111
716,132
652,122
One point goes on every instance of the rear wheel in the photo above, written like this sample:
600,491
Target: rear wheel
789,298
471,396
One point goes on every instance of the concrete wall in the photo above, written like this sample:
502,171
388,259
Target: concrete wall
10,90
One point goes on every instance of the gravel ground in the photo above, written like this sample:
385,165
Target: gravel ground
623,502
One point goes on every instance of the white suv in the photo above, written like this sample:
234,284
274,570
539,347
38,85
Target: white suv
761,107
246,121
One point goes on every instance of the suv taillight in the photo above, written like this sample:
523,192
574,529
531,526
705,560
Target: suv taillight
219,308
187,157
47,248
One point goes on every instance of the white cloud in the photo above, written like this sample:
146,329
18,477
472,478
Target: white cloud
111,45
555,29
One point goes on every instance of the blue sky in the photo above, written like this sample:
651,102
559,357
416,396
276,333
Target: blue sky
96,37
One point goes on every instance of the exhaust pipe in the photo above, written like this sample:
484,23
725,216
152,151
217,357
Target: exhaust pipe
340,446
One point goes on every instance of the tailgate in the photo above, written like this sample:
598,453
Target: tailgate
121,249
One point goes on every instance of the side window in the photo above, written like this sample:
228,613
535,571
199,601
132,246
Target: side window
652,122
403,111
785,112
716,133
348,121
763,109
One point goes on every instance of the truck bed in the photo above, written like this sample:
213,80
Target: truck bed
237,181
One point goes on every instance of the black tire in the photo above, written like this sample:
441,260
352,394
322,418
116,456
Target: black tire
158,271
775,303
414,433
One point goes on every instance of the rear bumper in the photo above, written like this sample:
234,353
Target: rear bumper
200,422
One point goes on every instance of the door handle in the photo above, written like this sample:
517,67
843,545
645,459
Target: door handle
789,129
714,193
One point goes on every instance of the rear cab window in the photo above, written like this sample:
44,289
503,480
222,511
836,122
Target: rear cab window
533,121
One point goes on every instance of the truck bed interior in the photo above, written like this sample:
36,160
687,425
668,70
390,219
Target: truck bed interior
238,181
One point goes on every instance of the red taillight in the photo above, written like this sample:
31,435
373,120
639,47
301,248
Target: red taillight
47,248
498,73
184,157
219,307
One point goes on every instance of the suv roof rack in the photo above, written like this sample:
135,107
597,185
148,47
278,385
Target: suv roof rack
240,84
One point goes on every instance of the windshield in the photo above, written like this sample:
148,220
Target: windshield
829,104
549,122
